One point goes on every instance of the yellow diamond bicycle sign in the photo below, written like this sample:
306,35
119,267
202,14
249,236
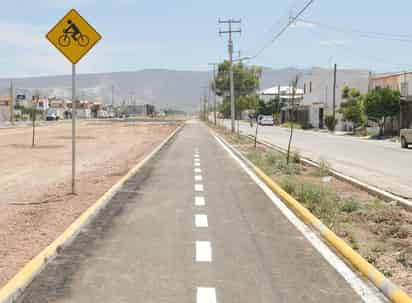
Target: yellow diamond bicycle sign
73,36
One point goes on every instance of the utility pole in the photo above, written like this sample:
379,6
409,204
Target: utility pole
214,97
230,47
204,93
11,102
200,107
112,96
334,92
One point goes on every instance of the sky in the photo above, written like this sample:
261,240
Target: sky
183,35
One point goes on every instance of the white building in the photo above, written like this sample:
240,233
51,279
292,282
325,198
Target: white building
285,93
318,94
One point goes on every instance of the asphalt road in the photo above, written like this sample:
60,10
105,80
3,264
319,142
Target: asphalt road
380,163
192,227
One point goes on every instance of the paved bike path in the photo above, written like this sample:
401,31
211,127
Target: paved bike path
170,236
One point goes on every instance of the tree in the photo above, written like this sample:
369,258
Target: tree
276,105
35,102
246,82
294,88
380,104
352,108
246,79
264,108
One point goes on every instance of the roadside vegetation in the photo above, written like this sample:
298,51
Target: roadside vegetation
381,232
376,107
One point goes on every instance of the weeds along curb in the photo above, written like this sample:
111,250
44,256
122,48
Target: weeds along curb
382,194
16,286
389,289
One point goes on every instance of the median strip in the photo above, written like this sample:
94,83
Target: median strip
393,292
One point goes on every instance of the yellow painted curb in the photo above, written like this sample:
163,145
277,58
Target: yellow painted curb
15,287
393,292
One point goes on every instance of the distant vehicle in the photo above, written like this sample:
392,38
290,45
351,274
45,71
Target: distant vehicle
266,120
102,115
406,137
52,116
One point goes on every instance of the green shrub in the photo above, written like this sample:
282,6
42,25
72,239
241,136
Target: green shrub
289,185
296,157
330,122
350,206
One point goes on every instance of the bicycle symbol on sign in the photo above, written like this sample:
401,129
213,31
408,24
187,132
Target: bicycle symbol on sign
72,32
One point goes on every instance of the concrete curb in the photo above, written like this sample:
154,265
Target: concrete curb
382,194
389,289
16,286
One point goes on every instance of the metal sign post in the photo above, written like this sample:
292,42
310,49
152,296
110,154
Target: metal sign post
74,37
74,113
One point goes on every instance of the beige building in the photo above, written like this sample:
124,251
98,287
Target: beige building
403,83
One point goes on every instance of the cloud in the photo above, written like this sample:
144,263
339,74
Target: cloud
334,42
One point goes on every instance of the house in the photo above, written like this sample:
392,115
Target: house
317,100
139,109
83,109
288,99
403,83
285,93
59,107
4,109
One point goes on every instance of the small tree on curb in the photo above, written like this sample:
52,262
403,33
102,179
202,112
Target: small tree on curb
35,102
352,108
380,104
294,87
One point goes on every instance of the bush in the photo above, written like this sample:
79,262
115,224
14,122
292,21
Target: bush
296,157
330,122
349,206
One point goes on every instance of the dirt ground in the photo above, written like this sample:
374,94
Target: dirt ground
36,205
380,231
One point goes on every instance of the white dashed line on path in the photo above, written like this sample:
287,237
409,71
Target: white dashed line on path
206,295
198,187
198,170
201,221
197,164
200,201
198,178
203,251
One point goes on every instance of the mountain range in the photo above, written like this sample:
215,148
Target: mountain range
161,87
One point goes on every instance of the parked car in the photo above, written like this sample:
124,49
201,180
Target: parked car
266,120
406,137
52,116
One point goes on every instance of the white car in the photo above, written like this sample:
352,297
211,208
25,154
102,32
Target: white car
406,137
266,120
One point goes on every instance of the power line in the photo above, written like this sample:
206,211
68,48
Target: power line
284,28
364,34
368,57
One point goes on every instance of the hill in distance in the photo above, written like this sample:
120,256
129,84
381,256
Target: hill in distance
161,87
